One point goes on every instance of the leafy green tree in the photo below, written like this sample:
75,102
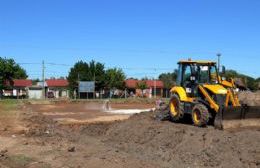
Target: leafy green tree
144,78
250,82
97,74
10,70
35,81
83,71
231,74
168,79
258,83
114,78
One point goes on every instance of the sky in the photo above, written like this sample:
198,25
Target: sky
143,37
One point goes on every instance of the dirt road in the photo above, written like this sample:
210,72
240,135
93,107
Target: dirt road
139,141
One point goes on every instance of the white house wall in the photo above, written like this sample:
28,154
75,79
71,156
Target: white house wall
35,94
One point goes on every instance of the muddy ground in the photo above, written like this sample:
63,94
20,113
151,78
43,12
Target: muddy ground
36,136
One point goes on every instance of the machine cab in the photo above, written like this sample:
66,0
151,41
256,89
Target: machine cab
193,73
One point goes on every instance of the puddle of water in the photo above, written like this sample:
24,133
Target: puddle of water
107,108
128,111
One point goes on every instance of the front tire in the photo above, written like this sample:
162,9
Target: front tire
200,115
175,108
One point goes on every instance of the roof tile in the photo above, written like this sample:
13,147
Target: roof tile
57,83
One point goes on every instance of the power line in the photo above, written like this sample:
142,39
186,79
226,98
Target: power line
145,71
58,64
126,68
29,63
148,68
36,63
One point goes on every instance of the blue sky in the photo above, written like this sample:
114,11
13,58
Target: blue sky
136,35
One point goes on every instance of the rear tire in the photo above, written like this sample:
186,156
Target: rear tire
175,108
200,115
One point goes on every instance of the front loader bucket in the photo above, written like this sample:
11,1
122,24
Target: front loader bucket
236,117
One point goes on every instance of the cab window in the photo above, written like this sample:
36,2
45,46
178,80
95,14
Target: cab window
203,74
213,75
186,74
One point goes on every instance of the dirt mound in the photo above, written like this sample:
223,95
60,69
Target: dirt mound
140,141
96,129
179,145
250,98
38,125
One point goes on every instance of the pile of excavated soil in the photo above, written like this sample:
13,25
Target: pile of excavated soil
178,145
140,141
146,142
250,98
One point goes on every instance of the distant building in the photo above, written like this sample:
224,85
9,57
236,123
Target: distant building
18,88
57,88
23,88
41,84
35,92
153,87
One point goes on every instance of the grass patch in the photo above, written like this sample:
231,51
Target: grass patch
8,107
9,104
18,161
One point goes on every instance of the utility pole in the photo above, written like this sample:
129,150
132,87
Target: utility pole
43,80
94,94
218,55
78,87
155,86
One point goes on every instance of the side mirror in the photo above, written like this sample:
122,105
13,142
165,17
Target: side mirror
223,71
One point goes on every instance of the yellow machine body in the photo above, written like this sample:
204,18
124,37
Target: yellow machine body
200,91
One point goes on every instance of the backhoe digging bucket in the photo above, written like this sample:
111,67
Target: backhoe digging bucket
237,117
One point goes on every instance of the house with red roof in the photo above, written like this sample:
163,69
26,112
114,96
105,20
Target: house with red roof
17,88
153,87
57,88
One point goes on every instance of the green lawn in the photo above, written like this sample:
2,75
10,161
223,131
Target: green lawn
8,107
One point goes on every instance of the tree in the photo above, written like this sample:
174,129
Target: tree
97,74
141,85
231,74
144,78
169,79
83,71
258,83
35,81
10,70
114,78
250,82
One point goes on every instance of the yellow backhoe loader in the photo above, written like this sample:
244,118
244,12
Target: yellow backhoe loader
201,92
